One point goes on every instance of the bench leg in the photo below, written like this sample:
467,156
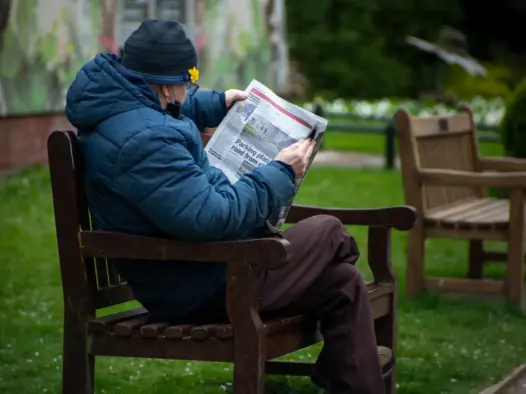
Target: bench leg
476,259
515,269
78,366
415,261
385,329
249,374
249,349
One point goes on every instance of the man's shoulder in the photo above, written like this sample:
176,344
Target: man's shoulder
142,125
134,137
144,135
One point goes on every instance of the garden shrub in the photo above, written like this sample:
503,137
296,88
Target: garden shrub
357,49
513,131
513,124
497,82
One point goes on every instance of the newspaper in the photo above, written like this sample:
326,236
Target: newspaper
255,130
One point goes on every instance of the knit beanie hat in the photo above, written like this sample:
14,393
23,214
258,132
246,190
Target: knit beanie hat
161,52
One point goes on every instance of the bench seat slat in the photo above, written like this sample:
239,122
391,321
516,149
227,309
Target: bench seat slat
178,332
136,321
105,323
153,330
483,213
128,327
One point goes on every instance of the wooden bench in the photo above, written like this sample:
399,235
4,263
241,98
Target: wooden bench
444,178
90,283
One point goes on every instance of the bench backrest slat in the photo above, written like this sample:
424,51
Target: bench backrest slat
87,282
448,142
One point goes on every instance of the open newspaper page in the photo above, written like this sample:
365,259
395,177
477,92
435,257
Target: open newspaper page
255,130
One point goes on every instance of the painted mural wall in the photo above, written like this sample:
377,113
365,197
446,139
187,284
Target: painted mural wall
43,43
237,41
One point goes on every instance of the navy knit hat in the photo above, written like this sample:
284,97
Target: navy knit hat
160,52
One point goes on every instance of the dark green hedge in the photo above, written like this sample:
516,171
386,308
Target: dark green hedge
513,124
356,48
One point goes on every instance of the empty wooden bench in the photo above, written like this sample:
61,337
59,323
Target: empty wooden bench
444,178
91,283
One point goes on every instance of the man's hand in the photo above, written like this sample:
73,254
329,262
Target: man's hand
297,156
233,95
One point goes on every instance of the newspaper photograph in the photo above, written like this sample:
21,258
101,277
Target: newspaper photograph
255,130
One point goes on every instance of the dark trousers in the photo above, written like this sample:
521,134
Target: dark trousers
322,281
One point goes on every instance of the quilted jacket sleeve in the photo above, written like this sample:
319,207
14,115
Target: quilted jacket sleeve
206,108
168,187
216,177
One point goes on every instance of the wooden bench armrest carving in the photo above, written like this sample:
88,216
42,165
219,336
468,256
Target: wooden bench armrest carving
434,177
270,253
400,217
504,164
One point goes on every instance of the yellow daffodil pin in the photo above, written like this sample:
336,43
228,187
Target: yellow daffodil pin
194,74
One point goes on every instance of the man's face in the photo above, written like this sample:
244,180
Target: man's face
179,93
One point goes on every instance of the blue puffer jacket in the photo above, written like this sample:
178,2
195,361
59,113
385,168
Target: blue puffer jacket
147,174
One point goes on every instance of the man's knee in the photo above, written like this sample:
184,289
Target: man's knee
325,224
349,273
328,221
344,281
346,275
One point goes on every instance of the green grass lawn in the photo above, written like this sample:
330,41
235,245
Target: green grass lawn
446,345
375,143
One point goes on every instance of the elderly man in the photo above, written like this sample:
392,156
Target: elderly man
138,119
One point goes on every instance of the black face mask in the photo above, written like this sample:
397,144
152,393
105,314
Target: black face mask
174,109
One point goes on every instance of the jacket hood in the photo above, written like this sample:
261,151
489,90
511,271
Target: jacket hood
104,88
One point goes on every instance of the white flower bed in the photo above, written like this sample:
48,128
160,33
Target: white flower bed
488,112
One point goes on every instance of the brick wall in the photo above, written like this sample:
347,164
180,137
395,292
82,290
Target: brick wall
23,139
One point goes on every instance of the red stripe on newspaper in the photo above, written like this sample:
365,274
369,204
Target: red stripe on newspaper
281,109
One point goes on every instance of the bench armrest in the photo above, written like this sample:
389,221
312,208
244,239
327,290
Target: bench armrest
504,164
441,177
270,253
400,217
